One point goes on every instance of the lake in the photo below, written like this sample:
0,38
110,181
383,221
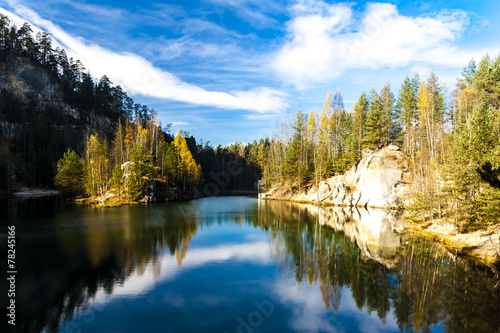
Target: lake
238,264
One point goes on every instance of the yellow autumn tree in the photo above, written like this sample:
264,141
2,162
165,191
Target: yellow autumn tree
426,121
128,140
311,128
325,136
143,136
312,133
97,166
189,170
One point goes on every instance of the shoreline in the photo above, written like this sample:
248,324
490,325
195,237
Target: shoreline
26,192
481,245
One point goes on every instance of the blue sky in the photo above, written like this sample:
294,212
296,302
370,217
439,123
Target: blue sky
229,70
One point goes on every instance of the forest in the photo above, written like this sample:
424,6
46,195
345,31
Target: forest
452,138
84,155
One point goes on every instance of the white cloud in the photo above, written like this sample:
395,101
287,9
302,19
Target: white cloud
422,71
180,123
139,76
141,282
325,40
93,9
309,314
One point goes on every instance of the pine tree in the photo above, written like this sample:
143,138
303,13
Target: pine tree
389,126
171,164
117,180
374,123
141,170
408,111
349,145
295,166
118,153
70,174
359,123
329,168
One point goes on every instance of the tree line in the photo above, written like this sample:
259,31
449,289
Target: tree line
79,88
136,157
453,142
37,131
140,155
89,152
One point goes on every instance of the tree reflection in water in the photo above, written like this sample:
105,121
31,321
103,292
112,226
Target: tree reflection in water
66,264
424,283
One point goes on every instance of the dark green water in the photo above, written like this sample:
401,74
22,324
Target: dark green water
234,264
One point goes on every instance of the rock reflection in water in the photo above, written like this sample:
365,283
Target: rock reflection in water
375,231
74,257
420,283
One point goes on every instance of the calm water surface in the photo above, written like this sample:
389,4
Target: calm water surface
236,264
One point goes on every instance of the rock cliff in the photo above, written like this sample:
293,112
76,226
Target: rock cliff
37,124
381,179
29,81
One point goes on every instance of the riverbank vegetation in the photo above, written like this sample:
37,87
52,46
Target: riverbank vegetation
103,139
451,138
426,286
87,136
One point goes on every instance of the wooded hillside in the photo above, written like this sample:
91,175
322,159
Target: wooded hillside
453,141
55,116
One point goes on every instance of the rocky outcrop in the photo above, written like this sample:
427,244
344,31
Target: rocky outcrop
37,120
479,244
381,179
29,81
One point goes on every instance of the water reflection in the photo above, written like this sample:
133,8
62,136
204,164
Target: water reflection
75,259
421,282
71,254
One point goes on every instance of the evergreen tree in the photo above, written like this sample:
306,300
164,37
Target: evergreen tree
70,174
408,111
295,166
117,180
348,143
359,123
389,121
141,171
374,122
171,164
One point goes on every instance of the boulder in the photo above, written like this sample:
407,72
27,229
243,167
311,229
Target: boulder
393,147
324,190
356,196
341,194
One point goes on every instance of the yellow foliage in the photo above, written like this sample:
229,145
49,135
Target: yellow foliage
311,127
191,169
